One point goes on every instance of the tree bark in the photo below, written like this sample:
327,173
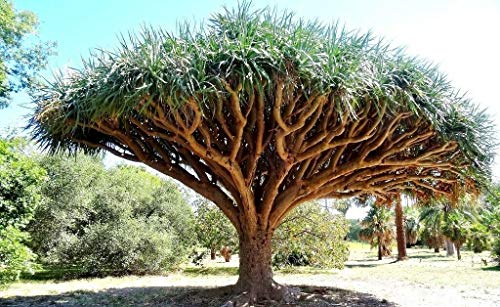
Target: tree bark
379,248
400,231
212,253
255,271
459,256
450,250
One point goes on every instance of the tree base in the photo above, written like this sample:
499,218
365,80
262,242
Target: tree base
275,294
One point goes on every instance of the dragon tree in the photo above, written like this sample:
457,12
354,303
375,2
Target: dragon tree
260,111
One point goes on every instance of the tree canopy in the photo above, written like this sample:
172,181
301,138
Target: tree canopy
260,111
20,180
20,58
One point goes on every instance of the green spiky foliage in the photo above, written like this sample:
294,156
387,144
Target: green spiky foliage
412,225
260,111
377,229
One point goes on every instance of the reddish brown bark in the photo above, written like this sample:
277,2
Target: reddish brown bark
400,230
255,271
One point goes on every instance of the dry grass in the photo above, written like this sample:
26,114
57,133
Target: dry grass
426,279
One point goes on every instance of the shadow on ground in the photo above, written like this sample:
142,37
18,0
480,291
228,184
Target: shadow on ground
187,296
368,265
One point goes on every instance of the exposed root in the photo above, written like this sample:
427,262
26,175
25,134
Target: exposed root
275,295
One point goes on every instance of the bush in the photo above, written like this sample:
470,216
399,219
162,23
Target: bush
354,228
15,257
478,239
130,246
111,222
310,235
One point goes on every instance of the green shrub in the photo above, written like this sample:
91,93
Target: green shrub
15,257
111,222
310,235
354,228
130,246
478,239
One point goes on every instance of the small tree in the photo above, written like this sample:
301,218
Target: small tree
311,235
213,229
456,228
432,219
377,229
260,112
411,226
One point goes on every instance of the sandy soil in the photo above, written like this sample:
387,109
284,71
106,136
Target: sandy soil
425,279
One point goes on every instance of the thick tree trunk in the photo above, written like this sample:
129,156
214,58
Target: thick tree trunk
212,253
400,231
255,271
450,250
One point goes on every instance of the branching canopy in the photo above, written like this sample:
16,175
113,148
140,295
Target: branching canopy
260,111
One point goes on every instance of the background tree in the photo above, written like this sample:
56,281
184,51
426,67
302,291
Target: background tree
377,229
260,112
213,229
492,218
20,57
431,218
110,222
68,197
311,235
411,225
20,180
456,228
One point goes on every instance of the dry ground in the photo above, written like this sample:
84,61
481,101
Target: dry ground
426,279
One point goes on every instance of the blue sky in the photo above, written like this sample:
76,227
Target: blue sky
461,36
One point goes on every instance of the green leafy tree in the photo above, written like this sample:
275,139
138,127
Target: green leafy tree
261,112
20,58
213,229
15,256
118,221
491,218
377,229
310,235
68,197
20,181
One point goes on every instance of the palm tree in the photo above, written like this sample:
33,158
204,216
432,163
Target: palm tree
411,225
431,218
376,228
456,227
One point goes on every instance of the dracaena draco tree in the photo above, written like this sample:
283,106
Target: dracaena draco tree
260,111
